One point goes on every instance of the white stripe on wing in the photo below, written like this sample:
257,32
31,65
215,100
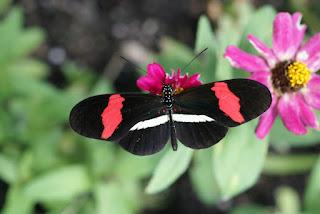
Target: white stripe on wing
150,123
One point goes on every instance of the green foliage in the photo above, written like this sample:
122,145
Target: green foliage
234,165
41,160
45,163
238,160
311,199
172,165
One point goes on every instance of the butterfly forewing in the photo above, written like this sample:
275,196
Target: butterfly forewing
111,116
230,103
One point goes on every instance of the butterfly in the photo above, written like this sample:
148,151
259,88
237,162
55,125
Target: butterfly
198,117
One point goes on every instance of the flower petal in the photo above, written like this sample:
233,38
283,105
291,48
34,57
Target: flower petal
245,61
192,81
262,77
284,42
182,80
267,119
298,29
156,70
264,50
310,53
171,80
150,84
289,113
307,117
312,91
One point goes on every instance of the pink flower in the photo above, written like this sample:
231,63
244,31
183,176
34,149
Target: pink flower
157,77
288,70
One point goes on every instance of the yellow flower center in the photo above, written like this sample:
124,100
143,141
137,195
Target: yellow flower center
298,74
179,90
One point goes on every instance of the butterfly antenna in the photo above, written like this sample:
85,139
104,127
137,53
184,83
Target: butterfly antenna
194,58
189,64
141,69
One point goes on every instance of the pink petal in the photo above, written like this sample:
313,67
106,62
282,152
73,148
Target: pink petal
150,84
310,53
181,79
262,77
307,117
298,29
156,70
245,61
171,80
289,113
312,91
284,42
267,119
264,50
314,82
192,81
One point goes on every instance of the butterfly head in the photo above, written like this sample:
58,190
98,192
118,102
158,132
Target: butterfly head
167,90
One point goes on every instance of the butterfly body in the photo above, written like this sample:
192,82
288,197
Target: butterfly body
198,117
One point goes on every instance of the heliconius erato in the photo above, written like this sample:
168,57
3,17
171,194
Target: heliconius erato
198,117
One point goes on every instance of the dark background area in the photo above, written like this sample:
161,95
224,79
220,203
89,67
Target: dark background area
94,33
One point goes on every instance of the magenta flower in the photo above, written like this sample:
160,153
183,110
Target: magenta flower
288,70
157,77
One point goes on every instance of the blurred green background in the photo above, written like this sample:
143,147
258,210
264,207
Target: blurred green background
54,53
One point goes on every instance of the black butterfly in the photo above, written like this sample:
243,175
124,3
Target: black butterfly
198,117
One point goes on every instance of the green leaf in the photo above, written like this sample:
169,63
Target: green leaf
103,86
102,158
260,24
135,167
238,160
312,194
170,168
8,169
205,38
228,35
202,179
4,4
59,184
289,164
17,202
28,41
115,198
10,31
287,200
27,68
176,55
251,209
281,137
81,76
45,148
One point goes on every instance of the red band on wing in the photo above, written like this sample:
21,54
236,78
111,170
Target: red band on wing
111,115
228,102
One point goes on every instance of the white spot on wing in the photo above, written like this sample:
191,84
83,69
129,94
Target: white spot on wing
150,123
191,118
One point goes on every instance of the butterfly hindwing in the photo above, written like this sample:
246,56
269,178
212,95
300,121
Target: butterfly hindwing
197,131
147,140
